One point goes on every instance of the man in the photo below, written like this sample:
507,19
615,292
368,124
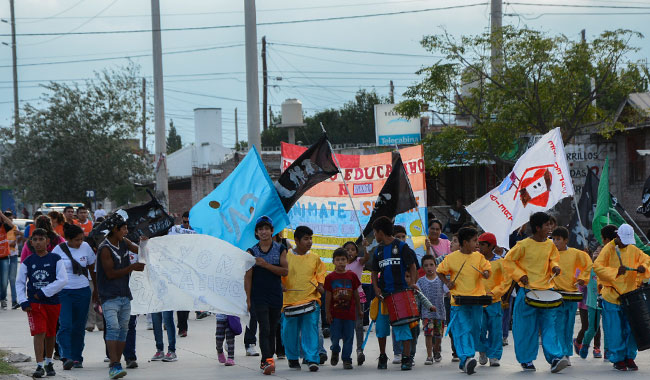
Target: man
83,221
6,227
100,212
68,214
30,227
179,229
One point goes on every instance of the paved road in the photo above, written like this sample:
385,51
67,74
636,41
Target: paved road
198,359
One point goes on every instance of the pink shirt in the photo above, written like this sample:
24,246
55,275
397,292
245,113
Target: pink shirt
357,269
442,248
26,252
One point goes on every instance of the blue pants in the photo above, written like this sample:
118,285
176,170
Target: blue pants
620,342
342,329
157,319
129,348
526,324
490,341
72,322
398,346
506,318
566,319
117,312
466,326
301,332
4,277
13,270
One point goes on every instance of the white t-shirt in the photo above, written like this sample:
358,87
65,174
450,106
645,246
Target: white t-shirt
179,230
99,213
85,256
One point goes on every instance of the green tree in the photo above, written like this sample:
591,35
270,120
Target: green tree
82,138
174,141
541,83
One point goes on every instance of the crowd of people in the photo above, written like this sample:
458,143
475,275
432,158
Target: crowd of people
464,285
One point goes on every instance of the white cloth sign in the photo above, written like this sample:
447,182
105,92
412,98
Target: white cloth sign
539,180
191,272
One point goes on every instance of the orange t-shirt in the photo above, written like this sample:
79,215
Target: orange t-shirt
4,242
87,227
59,229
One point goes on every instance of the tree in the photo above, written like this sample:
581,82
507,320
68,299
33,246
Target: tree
84,137
542,82
174,141
240,146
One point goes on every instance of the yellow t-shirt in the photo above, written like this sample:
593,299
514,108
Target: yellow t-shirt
305,273
571,260
469,281
533,259
606,268
499,281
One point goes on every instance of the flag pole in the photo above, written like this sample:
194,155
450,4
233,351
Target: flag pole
347,189
416,207
582,233
637,226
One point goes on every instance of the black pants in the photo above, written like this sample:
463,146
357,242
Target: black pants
279,347
267,318
251,332
182,317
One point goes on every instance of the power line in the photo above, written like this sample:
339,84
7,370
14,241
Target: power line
350,50
337,61
50,17
578,5
575,14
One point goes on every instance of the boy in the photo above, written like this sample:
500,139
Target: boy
491,344
465,319
304,286
392,258
422,303
531,263
571,260
83,221
618,267
40,278
343,306
433,321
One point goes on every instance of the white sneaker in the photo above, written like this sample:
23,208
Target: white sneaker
568,359
482,358
494,362
250,351
429,361
397,360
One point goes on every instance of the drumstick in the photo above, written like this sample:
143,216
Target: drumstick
294,290
476,269
551,279
460,270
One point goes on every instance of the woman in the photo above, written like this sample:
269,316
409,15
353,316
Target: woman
55,239
79,260
436,245
57,221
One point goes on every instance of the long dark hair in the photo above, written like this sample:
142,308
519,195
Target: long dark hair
45,223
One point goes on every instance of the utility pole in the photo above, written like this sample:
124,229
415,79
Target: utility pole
583,35
162,189
270,116
496,23
392,93
265,84
15,65
144,117
236,130
252,81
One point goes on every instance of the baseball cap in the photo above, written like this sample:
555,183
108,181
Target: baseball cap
626,234
263,220
488,237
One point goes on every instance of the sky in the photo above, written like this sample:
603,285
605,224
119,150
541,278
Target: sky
305,60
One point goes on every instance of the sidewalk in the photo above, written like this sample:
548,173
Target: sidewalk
198,359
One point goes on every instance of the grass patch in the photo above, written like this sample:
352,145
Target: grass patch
6,368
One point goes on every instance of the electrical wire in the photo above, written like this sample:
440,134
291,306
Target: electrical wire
350,50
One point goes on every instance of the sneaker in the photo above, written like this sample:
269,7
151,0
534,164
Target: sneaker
107,360
116,372
530,367
250,350
429,361
149,325
397,360
294,364
281,356
494,362
326,332
68,364
202,315
158,356
15,305
322,358
313,367
229,362
597,353
576,346
76,364
383,362
361,357
568,360
437,357
407,363
171,357
268,367
631,365
40,372
335,359
131,364
182,334
482,358
559,364
221,357
347,364
455,358
470,366
49,369
620,366
504,342
584,351
4,305
56,356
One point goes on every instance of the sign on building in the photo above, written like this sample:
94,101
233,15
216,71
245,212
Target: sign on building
392,128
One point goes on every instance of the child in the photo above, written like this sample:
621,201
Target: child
40,278
571,260
356,264
342,306
225,332
466,319
433,321
422,304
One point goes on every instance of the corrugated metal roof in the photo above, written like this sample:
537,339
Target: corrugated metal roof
640,101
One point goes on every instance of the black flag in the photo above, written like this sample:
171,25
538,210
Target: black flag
312,167
586,207
645,199
395,197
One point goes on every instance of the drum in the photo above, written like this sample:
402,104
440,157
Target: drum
298,310
571,296
402,308
543,299
473,300
636,306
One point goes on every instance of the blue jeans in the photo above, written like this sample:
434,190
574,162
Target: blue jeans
72,322
342,329
13,270
129,348
491,335
117,312
166,317
4,278
301,332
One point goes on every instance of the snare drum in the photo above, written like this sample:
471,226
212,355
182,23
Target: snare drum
636,306
402,308
571,296
543,299
473,300
298,310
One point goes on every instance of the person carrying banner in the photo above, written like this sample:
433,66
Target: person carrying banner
532,263
263,284
618,267
183,228
303,287
571,261
391,259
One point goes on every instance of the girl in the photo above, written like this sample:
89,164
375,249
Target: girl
356,264
55,239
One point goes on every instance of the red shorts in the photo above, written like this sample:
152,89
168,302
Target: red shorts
43,318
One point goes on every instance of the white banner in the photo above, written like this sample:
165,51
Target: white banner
538,181
191,272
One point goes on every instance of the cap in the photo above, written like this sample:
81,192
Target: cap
488,237
626,234
263,220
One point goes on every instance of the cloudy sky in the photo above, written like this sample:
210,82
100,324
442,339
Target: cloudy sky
205,68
